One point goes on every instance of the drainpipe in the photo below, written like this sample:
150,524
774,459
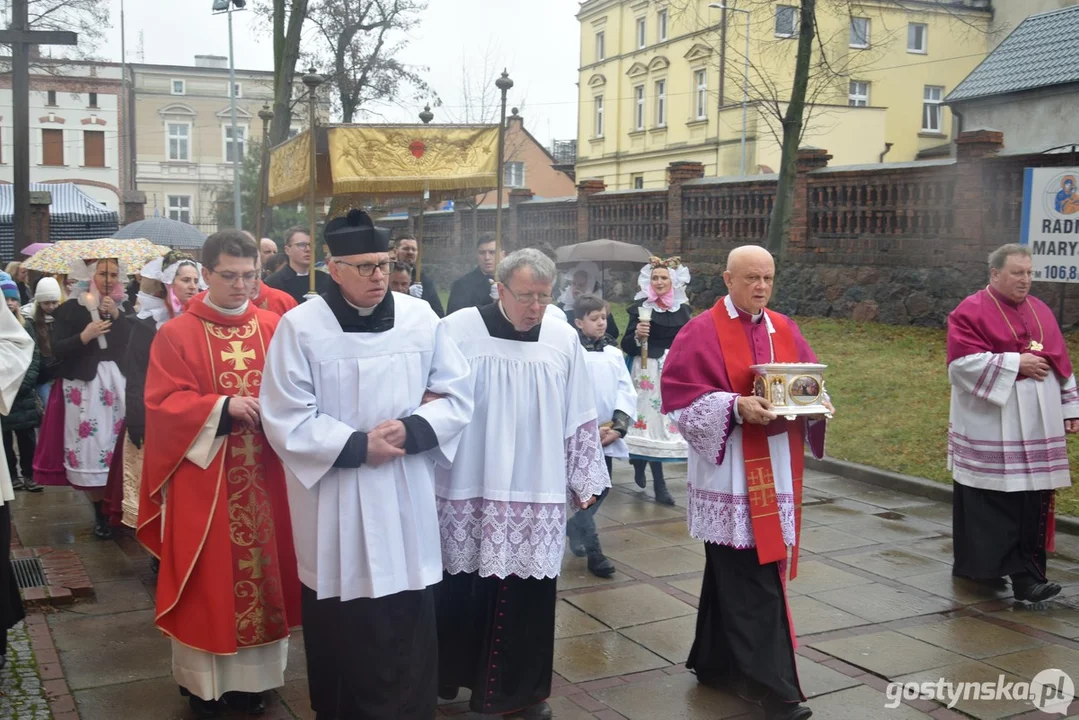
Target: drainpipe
887,149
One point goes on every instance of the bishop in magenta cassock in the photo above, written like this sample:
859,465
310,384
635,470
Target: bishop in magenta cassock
744,485
1014,398
213,506
365,394
533,442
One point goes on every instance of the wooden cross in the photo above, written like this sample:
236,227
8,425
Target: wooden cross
238,355
20,37
249,450
255,564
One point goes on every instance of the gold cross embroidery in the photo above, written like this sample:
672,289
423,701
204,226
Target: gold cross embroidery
238,355
255,564
761,491
249,449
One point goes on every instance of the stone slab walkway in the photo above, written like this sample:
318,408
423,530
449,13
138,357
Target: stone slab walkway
874,603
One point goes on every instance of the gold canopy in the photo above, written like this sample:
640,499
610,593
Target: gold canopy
387,160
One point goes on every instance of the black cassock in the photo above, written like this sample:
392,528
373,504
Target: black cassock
999,534
743,629
496,638
470,290
11,610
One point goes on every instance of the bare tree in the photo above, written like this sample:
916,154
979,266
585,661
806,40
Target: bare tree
818,75
88,18
288,19
361,41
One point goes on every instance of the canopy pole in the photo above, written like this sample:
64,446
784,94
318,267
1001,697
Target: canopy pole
312,80
503,84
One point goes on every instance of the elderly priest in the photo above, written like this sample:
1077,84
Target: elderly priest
534,440
744,486
1014,398
364,394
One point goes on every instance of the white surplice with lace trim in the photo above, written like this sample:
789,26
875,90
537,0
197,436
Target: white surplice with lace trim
532,445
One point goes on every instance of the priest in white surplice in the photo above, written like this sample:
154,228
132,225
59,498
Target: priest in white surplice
364,394
533,442
1014,398
16,353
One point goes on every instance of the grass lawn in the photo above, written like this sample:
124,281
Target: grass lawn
890,388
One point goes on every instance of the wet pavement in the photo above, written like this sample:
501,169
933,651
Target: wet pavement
874,602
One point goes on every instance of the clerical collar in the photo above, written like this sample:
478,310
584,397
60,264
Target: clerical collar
233,312
1001,297
356,319
499,326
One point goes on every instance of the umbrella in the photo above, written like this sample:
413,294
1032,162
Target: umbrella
606,253
56,260
36,247
163,231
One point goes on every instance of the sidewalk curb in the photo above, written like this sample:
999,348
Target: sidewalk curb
907,484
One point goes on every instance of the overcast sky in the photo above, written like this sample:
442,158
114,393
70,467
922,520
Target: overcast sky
536,40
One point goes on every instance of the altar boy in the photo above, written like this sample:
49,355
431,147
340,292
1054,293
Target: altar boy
615,400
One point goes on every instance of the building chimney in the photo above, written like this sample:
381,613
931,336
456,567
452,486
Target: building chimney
218,62
515,121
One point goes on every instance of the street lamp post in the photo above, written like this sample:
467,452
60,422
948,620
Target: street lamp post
503,84
745,83
226,6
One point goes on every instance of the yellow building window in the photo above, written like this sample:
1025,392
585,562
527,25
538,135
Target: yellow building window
918,38
859,93
701,78
642,33
661,103
933,109
601,49
599,116
661,21
786,21
638,96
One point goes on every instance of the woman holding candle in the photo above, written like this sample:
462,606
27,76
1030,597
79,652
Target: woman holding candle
88,343
661,309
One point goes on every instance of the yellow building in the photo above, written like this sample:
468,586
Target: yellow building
652,91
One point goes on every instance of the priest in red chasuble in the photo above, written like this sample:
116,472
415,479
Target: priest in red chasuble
744,485
214,507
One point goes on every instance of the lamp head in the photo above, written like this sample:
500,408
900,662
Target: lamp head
221,5
504,83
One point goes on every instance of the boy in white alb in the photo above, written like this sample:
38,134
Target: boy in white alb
616,400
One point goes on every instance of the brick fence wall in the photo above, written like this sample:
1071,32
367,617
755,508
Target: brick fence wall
900,243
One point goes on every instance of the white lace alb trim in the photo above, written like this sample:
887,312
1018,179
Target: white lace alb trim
706,424
724,519
586,472
500,538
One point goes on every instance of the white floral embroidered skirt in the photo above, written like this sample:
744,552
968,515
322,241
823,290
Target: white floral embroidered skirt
652,435
93,418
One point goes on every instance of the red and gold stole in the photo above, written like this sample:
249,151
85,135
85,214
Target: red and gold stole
763,504
237,356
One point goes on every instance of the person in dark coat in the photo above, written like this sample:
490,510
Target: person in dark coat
294,278
408,251
476,288
19,426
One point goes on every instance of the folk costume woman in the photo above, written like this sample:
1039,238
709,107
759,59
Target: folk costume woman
88,341
654,438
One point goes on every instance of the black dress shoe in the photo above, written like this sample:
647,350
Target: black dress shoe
203,708
244,702
775,710
29,485
1038,592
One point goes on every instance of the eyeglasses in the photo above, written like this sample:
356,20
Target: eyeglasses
301,246
368,269
530,299
231,277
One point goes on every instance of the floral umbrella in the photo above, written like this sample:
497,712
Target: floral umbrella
56,260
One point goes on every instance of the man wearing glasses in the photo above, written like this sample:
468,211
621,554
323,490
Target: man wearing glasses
364,393
293,278
502,506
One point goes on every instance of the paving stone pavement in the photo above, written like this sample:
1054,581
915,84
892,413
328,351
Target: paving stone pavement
874,602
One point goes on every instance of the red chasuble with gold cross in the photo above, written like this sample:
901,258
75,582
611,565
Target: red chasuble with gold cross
223,534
